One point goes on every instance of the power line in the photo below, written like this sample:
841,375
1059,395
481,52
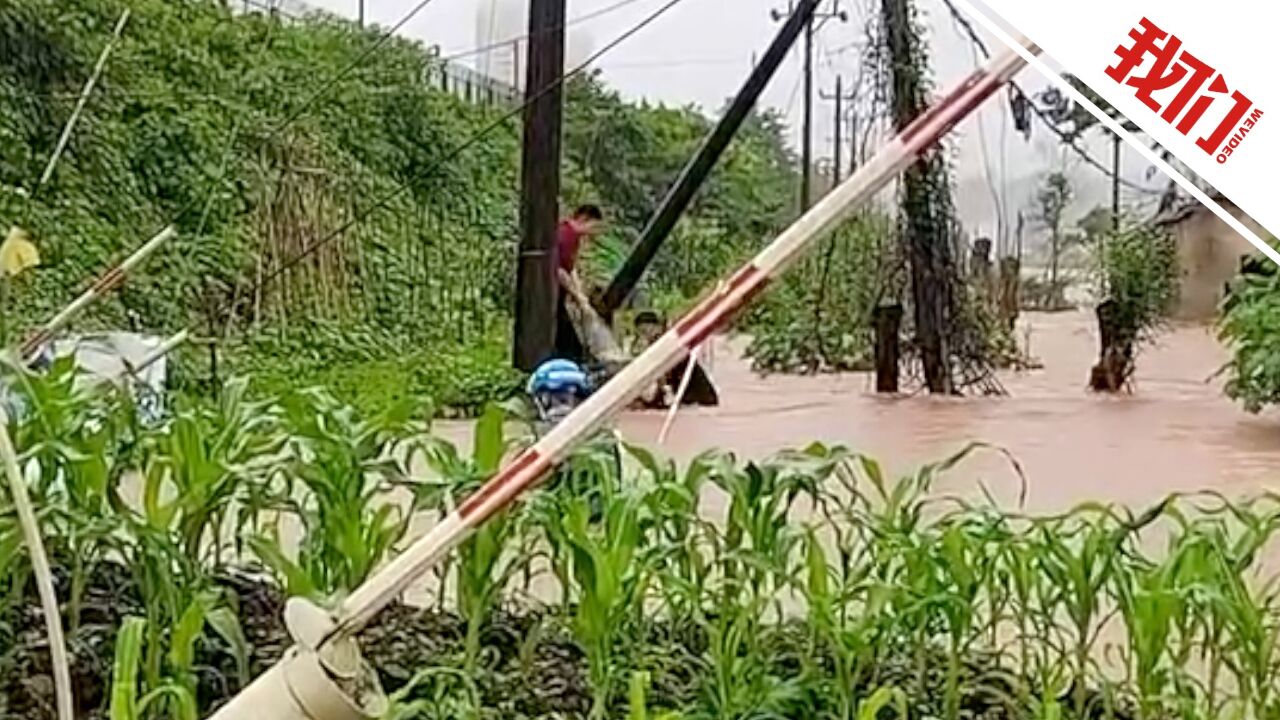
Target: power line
1066,139
498,45
467,144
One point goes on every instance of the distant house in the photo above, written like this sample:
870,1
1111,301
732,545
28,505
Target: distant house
1210,253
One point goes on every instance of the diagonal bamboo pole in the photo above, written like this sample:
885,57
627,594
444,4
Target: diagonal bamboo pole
84,100
108,282
527,469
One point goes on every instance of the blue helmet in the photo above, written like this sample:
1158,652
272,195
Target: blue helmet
559,376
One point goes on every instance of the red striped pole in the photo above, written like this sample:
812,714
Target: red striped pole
109,281
532,465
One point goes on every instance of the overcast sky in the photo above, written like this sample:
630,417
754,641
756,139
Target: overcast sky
701,50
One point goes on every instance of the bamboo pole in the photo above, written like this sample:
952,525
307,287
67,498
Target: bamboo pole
155,356
527,469
83,101
43,574
109,281
684,387
532,465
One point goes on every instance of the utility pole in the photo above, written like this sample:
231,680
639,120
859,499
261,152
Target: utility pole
536,283
806,140
699,167
840,97
924,199
806,143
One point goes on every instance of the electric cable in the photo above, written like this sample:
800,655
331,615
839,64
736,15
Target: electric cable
1066,140
470,142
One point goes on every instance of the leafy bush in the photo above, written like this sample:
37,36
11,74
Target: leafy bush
1139,268
818,317
1250,326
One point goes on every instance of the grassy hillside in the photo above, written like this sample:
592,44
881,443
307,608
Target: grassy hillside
263,137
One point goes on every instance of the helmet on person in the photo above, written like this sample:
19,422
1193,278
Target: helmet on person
557,387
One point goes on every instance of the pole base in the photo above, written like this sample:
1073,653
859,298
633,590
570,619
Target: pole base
299,688
315,680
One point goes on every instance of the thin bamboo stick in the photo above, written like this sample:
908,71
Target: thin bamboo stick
83,101
109,281
44,576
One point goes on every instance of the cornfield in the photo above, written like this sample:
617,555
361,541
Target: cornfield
806,585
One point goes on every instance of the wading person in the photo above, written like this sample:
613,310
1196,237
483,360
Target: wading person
586,223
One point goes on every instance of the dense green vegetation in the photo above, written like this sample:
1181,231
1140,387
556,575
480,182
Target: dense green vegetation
816,587
264,137
818,317
1251,328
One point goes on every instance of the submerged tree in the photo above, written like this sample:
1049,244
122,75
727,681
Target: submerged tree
1140,270
1052,200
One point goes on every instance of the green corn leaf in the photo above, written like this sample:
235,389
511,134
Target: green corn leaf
490,443
224,621
183,702
124,674
637,696
881,699
182,641
297,581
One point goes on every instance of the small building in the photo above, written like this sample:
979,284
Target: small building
1210,253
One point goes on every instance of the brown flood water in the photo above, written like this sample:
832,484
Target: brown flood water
1176,433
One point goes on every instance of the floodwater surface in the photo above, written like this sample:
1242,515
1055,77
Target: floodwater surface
1176,432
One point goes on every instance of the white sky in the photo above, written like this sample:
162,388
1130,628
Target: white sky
702,50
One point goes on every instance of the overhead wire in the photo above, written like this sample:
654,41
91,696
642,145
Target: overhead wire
996,199
1066,140
499,44
470,142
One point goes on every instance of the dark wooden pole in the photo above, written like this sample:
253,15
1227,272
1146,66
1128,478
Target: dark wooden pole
840,98
888,325
806,142
1115,182
695,173
536,286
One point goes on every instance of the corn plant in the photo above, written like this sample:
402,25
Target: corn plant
73,438
610,573
485,562
204,464
337,478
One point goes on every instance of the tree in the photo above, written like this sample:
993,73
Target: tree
1140,270
1052,201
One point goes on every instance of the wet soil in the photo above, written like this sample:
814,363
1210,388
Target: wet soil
529,666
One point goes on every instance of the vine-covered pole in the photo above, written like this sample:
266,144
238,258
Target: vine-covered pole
307,684
110,280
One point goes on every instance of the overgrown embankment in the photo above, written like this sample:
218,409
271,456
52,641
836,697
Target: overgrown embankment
265,137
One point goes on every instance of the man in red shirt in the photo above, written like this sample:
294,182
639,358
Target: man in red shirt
586,223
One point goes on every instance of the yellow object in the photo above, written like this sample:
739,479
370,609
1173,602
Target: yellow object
18,253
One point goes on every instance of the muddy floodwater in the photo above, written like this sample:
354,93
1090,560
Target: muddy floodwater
1176,432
